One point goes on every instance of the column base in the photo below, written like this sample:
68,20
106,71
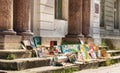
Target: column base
77,40
10,42
26,33
81,35
70,36
75,36
8,32
87,36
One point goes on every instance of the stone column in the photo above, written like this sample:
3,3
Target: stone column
75,18
22,17
86,18
6,17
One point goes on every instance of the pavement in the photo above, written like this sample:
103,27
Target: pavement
108,69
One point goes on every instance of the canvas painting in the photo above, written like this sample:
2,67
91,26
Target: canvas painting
70,48
72,58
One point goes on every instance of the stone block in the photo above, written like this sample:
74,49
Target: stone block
26,37
21,64
10,46
10,39
73,40
88,40
112,42
18,53
10,42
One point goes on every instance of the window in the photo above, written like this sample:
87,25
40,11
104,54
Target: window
102,13
109,14
58,9
116,21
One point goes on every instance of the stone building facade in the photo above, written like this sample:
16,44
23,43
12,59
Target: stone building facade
56,19
110,22
77,18
110,17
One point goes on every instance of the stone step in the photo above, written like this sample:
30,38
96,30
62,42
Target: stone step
54,69
81,66
114,52
17,54
103,47
115,57
22,64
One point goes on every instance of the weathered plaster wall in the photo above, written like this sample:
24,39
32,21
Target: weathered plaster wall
35,17
95,21
44,22
65,4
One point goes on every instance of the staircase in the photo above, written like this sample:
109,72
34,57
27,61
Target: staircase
23,63
115,55
13,57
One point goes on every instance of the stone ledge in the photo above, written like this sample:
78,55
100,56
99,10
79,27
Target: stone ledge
10,42
52,69
42,66
10,38
114,52
76,40
22,64
10,46
18,53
